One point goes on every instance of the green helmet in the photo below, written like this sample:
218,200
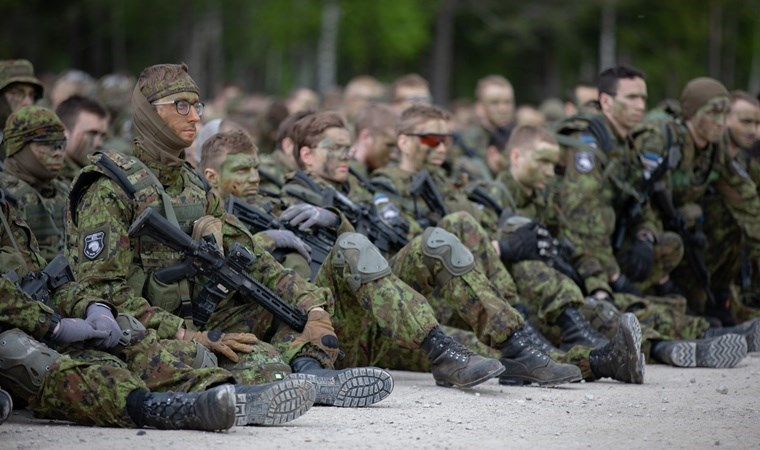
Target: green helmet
19,71
31,124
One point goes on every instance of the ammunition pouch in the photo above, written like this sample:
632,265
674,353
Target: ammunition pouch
204,357
364,260
24,362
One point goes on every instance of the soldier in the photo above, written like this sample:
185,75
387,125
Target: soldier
109,194
276,165
361,91
533,155
114,92
470,287
408,90
582,98
701,171
34,149
376,312
69,83
18,88
90,386
85,124
602,183
374,139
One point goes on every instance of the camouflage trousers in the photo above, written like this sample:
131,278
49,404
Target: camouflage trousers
91,386
544,291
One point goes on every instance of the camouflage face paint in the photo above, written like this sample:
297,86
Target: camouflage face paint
49,154
239,176
331,155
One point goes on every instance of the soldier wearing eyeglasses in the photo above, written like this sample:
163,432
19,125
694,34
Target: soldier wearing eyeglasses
34,148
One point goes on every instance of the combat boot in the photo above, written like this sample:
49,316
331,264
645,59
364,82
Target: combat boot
750,330
272,403
209,410
717,352
353,387
536,337
576,330
621,359
6,405
525,364
453,364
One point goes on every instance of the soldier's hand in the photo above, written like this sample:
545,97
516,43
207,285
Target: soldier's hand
625,286
638,261
223,343
101,318
320,332
522,244
308,216
286,239
76,330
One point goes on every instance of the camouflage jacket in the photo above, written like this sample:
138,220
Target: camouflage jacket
111,264
272,171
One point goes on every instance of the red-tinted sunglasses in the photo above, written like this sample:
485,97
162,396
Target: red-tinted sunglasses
433,139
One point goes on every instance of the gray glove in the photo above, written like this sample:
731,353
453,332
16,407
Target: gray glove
101,318
309,215
76,330
286,239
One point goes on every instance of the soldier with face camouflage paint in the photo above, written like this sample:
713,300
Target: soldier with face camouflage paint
109,194
18,88
34,148
372,318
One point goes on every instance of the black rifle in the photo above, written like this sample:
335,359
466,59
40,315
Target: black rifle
560,261
319,239
41,285
424,187
388,238
479,195
225,275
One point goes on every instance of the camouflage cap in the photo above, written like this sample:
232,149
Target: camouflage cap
31,123
162,80
19,71
699,91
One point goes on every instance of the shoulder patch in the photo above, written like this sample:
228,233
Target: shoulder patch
94,243
584,162
739,168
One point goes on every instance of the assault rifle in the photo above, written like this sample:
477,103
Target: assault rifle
424,187
41,285
225,274
319,239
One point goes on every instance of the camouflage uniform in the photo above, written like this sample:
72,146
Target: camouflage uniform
89,386
41,201
593,192
272,171
15,71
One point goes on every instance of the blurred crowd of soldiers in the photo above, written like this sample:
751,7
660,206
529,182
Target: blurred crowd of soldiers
577,240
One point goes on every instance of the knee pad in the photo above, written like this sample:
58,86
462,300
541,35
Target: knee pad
24,362
439,244
364,260
204,357
132,331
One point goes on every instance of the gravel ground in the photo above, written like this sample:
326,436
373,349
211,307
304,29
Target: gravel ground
675,408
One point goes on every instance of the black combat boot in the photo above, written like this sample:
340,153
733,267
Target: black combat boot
576,330
453,364
668,289
273,403
6,405
536,337
208,411
750,330
716,352
353,387
621,358
525,364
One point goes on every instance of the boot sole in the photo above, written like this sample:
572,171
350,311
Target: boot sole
280,403
753,337
522,380
351,388
718,352
492,374
631,329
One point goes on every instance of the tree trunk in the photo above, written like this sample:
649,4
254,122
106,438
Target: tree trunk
607,36
443,52
327,47
715,43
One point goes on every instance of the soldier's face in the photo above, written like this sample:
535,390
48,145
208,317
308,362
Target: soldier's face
743,122
427,145
626,108
406,96
87,136
239,176
182,126
49,154
710,119
329,159
498,104
19,95
533,166
383,144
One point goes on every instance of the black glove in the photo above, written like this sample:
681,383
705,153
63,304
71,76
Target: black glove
76,330
286,239
625,286
522,244
101,318
638,261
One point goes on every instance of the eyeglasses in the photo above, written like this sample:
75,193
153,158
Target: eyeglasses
183,106
433,139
